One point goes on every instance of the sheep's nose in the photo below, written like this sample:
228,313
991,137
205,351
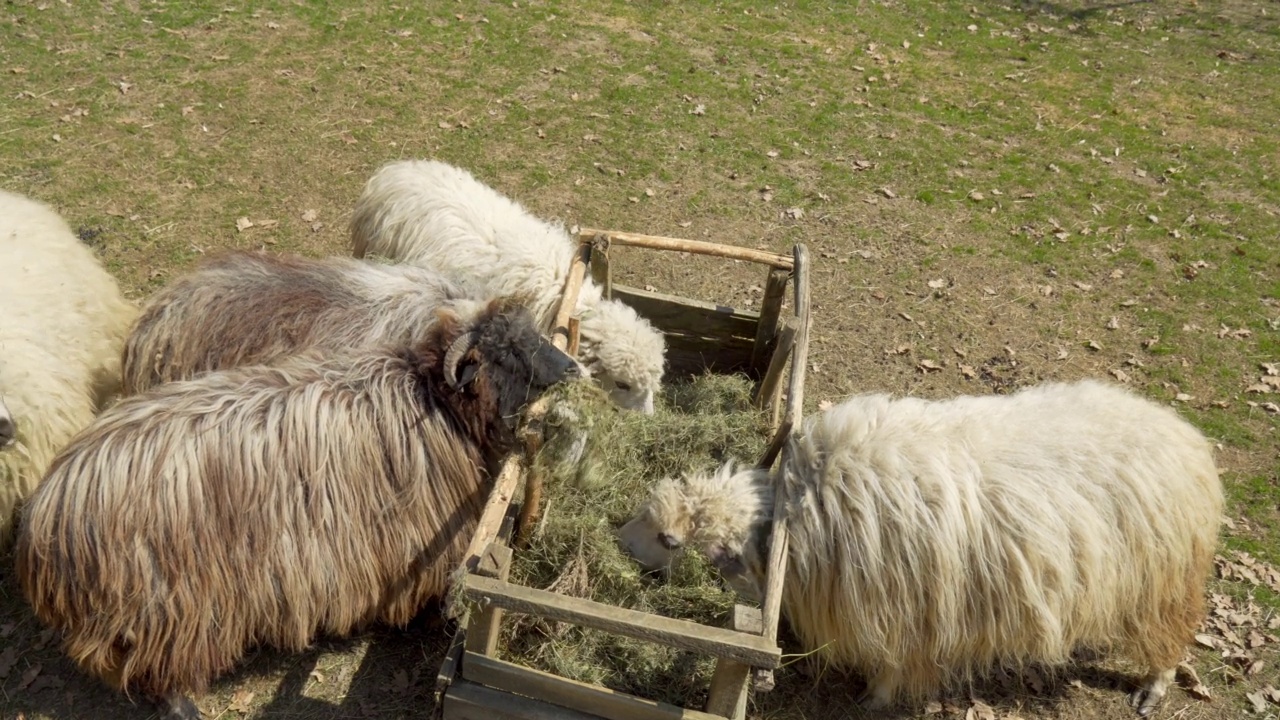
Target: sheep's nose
8,432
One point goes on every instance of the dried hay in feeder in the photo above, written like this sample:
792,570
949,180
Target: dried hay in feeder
598,464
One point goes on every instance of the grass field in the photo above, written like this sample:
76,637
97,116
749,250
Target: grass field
994,195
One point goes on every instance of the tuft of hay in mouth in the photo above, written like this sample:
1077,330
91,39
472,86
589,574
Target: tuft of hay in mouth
598,464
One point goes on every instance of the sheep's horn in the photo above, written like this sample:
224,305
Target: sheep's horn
459,348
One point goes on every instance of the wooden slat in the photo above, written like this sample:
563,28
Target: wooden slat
672,313
697,247
452,660
602,271
745,648
771,608
485,627
775,288
687,356
729,683
466,700
569,298
773,376
504,488
601,701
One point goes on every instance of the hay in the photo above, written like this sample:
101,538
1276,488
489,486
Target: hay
598,464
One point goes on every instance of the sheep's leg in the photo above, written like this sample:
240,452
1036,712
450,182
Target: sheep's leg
1149,695
881,689
176,706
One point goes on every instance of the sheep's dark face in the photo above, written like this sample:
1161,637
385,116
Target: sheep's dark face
8,428
517,359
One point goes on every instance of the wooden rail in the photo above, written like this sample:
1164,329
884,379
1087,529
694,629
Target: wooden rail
697,247
745,648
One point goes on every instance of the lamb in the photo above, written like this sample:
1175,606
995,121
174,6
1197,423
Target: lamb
438,216
269,504
64,322
248,308
933,541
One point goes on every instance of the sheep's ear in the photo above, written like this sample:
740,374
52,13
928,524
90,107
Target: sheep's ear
468,374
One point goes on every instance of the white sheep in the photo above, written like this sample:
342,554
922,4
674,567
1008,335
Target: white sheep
441,217
65,322
933,541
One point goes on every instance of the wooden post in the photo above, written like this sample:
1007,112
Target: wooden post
697,247
601,271
728,695
775,287
484,629
773,376
771,608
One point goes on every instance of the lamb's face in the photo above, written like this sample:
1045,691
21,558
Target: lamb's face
8,427
659,528
722,515
628,395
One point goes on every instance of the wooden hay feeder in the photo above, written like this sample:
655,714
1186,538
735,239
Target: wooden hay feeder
474,684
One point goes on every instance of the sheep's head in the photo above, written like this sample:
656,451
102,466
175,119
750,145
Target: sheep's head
625,354
725,515
8,428
502,343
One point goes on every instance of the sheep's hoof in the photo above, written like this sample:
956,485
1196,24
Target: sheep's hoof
1149,695
178,707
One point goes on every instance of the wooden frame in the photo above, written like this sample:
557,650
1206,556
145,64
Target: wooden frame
474,684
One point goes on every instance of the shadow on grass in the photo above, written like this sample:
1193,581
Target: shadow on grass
393,677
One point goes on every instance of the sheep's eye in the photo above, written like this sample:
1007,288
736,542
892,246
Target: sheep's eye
667,541
624,387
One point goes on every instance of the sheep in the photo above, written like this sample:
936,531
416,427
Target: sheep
64,322
248,308
435,215
269,504
933,540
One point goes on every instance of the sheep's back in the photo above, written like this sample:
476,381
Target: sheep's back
242,309
984,529
195,521
441,217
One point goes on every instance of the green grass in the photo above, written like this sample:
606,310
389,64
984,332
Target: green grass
273,109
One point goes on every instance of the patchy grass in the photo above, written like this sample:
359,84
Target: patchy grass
1054,164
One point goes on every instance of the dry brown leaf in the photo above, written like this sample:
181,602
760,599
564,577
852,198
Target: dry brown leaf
977,196
1113,323
888,193
1093,345
266,224
29,676
310,216
980,711
968,371
1120,375
8,659
241,701
927,365
938,283
933,707
243,223
1258,701
1190,680
1208,641
825,405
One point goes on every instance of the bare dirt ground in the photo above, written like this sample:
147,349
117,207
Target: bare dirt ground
1057,192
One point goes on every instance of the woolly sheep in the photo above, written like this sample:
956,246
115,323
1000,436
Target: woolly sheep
249,308
932,541
270,504
64,322
438,216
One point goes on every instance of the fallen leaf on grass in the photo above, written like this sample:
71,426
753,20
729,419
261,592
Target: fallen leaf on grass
888,193
925,366
936,284
310,216
243,223
1258,701
8,659
1190,681
1120,375
824,405
1113,323
241,701
980,711
933,707
1208,641
29,676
